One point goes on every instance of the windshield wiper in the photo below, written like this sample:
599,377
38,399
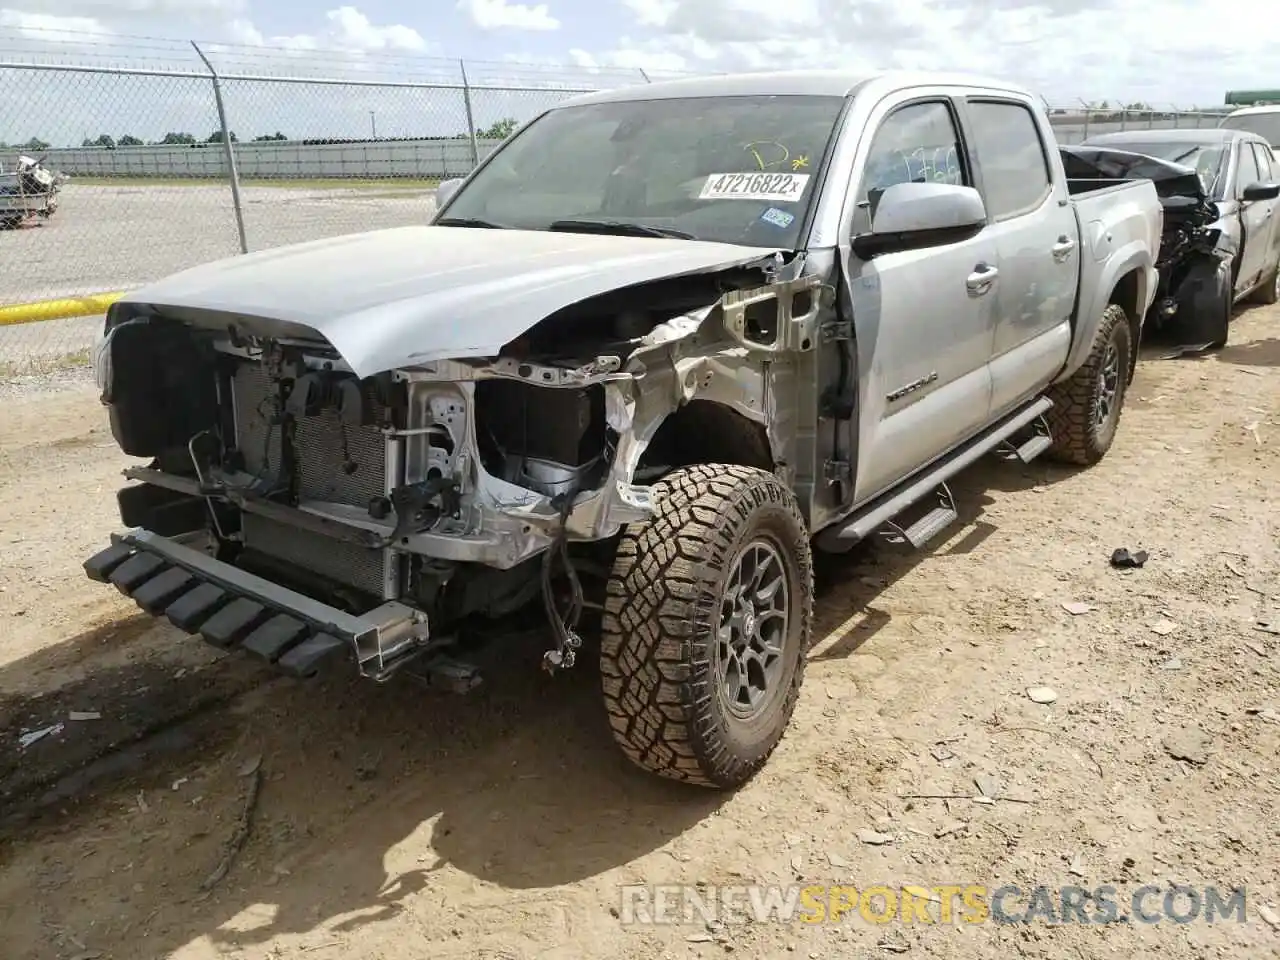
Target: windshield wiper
469,222
619,227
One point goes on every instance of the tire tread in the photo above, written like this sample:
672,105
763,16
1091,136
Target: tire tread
1071,420
660,607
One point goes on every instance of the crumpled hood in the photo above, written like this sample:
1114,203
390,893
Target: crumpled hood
410,295
1097,162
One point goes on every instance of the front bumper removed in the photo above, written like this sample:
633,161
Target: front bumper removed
234,609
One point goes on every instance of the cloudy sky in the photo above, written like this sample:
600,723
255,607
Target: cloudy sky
1164,53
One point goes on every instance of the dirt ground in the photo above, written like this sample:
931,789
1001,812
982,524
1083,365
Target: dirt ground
396,822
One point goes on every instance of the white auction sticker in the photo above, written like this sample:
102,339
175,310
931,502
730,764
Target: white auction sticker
776,187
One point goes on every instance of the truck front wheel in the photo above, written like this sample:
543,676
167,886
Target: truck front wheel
706,625
1087,405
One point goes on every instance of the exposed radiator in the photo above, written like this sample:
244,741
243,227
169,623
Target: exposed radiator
320,454
335,560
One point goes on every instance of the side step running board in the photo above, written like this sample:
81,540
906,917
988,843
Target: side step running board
1041,439
880,512
928,526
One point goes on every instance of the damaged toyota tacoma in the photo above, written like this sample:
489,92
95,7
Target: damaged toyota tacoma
655,351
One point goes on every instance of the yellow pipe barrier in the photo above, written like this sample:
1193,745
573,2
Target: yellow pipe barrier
87,306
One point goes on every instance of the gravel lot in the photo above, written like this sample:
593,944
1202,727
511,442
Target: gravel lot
106,238
393,822
112,237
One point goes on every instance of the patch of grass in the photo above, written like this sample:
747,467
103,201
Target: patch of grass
318,183
42,366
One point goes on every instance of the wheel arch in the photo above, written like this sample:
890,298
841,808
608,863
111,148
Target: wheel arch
1129,293
708,431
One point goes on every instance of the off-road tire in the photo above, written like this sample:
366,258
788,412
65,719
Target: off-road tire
1269,292
662,612
1078,437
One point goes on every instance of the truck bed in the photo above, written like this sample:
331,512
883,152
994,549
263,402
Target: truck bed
1078,187
1117,219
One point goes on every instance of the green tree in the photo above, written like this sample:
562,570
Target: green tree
128,140
178,138
269,136
34,144
500,130
216,137
104,140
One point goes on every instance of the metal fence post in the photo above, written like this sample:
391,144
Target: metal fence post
227,149
471,118
645,75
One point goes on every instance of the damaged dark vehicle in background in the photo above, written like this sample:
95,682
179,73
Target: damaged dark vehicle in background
1221,241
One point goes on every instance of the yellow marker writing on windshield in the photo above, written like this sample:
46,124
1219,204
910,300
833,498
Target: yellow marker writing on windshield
760,161
799,163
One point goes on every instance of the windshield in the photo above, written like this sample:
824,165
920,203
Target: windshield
1265,125
728,169
1205,159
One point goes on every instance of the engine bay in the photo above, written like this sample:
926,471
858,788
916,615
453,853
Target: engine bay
459,487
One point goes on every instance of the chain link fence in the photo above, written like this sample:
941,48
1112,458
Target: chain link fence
163,168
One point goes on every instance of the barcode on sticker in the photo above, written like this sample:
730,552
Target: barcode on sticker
778,187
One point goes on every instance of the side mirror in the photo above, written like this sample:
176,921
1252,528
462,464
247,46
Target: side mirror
1260,191
909,216
446,189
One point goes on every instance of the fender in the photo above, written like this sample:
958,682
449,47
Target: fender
1133,257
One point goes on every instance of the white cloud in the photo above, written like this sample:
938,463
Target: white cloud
343,30
650,59
1127,50
499,14
134,10
347,29
652,13
49,27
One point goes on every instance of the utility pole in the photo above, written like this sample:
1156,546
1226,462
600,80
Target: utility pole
373,124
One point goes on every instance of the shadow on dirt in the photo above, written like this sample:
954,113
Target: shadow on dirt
1257,353
873,566
1253,353
518,785
55,746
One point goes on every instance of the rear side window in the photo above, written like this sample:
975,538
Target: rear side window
1011,155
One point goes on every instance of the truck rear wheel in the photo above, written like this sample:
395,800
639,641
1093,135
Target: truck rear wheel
1087,406
707,621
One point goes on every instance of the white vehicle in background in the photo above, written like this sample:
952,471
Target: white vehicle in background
1262,120
27,191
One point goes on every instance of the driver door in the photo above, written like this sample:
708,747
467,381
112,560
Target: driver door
924,319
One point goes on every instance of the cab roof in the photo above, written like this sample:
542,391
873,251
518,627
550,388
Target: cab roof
816,83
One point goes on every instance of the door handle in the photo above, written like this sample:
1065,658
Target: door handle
980,281
1062,249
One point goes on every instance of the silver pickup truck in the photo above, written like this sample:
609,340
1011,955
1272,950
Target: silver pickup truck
658,348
